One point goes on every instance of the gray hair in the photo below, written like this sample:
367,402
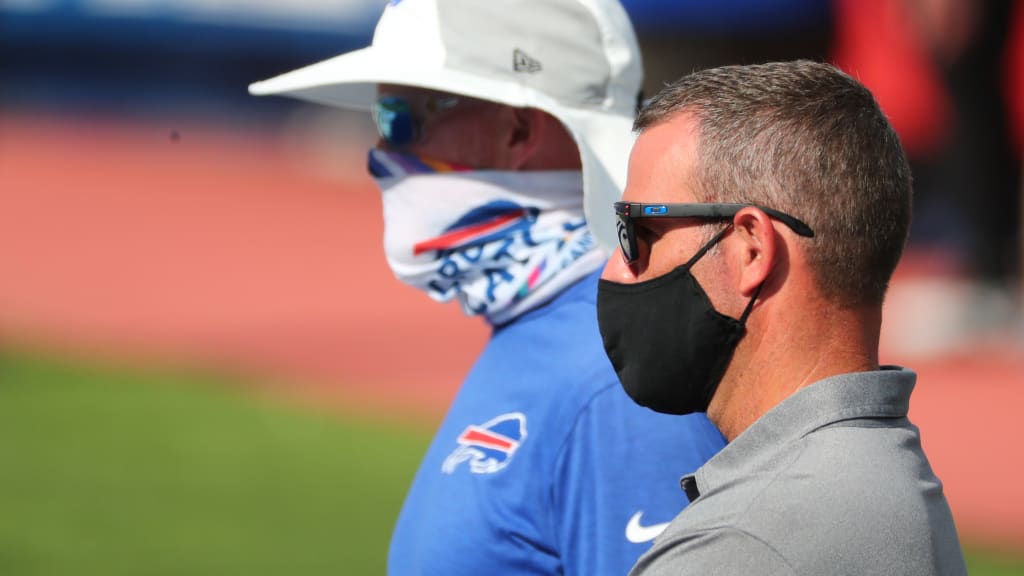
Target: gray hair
804,138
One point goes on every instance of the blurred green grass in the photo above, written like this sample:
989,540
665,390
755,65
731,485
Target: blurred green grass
109,470
125,471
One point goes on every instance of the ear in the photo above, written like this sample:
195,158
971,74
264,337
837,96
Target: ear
757,248
524,135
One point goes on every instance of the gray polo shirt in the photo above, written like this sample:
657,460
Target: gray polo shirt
831,481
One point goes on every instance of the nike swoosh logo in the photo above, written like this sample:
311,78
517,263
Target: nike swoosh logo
638,534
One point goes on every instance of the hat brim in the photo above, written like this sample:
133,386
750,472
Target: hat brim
604,138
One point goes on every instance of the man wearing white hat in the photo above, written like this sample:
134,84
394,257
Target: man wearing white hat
505,128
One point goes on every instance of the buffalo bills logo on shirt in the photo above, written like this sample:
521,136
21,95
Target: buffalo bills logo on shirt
488,447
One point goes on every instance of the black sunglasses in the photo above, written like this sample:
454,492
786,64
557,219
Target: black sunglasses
629,211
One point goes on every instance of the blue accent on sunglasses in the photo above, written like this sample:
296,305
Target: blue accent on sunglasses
394,120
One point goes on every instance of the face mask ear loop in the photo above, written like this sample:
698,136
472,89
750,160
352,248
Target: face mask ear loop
750,305
704,250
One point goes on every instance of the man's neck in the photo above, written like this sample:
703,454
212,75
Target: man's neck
768,369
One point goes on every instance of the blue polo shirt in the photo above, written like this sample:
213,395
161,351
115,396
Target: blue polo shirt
543,465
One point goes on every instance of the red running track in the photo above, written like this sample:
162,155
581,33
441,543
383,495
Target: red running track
231,247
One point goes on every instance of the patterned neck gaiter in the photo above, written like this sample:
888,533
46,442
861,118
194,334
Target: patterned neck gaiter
499,242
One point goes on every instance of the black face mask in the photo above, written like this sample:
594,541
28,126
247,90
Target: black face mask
668,344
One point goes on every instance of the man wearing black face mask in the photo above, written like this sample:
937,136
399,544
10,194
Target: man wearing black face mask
765,211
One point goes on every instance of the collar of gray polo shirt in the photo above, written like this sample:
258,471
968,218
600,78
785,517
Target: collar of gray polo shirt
884,393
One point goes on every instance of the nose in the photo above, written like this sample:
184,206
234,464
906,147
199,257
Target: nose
617,270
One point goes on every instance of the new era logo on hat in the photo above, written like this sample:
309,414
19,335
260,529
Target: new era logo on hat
521,62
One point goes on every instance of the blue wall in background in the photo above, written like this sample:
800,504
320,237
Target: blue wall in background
147,56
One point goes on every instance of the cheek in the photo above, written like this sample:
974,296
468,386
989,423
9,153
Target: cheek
663,254
713,274
463,140
438,147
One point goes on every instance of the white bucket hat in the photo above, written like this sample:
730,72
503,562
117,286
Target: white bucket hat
577,60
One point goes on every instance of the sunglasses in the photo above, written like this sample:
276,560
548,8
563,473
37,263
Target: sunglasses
399,119
629,211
